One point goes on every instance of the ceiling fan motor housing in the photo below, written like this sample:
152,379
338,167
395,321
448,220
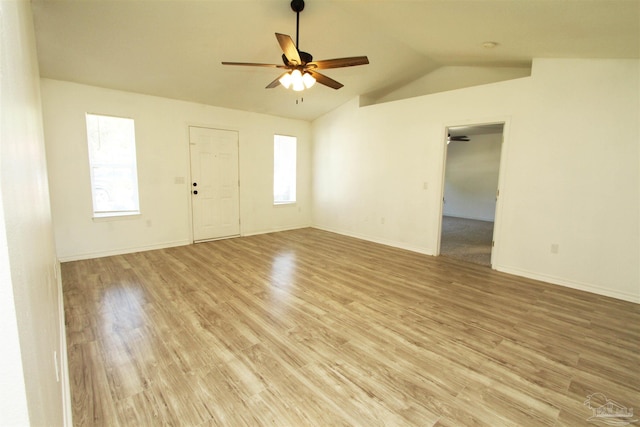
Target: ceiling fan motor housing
304,57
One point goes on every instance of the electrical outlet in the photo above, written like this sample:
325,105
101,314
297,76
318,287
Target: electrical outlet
555,248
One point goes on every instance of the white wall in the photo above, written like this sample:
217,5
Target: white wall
570,171
163,155
454,77
31,320
471,177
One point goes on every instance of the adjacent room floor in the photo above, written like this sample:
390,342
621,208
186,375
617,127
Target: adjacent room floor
467,240
310,328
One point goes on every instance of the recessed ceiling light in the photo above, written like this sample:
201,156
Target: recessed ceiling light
489,45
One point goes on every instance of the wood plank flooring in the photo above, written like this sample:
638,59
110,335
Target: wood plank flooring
309,328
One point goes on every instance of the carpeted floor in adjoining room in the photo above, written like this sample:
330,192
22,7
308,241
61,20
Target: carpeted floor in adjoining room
467,240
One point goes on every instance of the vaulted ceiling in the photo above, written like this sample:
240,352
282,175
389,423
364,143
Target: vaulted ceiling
174,48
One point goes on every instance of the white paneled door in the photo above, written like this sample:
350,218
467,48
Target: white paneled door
214,183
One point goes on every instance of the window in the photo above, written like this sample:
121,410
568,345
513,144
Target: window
284,169
112,164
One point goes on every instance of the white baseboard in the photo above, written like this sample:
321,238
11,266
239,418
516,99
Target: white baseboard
274,230
586,287
581,286
470,217
63,361
386,242
122,251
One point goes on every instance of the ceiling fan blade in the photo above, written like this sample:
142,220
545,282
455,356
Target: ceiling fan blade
339,62
327,81
276,82
253,64
289,48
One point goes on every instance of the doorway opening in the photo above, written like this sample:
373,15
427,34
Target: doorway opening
470,194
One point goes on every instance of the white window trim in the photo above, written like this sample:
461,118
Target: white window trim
287,202
117,214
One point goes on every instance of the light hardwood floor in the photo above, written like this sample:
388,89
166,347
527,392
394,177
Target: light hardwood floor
309,328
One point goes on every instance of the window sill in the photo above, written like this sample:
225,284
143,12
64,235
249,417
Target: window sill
115,216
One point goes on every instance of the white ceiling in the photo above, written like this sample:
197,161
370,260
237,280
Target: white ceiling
174,48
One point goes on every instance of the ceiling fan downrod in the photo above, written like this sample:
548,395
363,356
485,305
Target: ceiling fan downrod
297,6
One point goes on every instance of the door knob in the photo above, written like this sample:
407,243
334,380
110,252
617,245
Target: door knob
195,184
195,191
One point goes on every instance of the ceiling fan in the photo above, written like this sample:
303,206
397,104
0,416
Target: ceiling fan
463,138
301,68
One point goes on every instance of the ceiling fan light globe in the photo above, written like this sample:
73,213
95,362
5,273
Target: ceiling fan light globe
285,80
296,80
308,80
296,76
